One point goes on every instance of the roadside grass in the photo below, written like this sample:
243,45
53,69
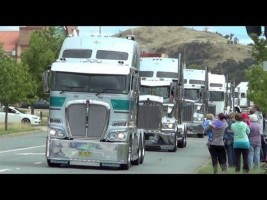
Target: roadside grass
18,128
207,169
15,128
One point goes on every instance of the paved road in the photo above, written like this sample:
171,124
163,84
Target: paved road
24,154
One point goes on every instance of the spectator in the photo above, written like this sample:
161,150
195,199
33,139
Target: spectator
255,143
255,109
216,146
246,118
229,140
241,142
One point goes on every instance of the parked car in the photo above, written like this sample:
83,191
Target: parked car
17,116
41,104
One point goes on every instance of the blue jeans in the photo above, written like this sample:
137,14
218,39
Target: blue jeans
254,157
230,155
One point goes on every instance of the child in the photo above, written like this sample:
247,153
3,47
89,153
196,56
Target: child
208,122
212,123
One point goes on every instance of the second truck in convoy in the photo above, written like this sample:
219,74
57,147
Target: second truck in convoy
160,104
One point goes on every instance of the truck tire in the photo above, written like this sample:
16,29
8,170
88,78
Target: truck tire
128,164
182,143
139,153
143,151
175,144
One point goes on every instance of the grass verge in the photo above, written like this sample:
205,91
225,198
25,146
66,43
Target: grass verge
207,169
15,128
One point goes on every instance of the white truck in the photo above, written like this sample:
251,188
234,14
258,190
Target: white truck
158,104
241,96
94,91
217,92
194,89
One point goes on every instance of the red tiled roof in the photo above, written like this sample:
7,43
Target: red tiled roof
9,39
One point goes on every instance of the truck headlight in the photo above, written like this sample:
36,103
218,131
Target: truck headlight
56,132
117,136
168,125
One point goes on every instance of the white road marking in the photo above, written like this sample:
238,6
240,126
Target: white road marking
26,154
38,163
11,150
3,170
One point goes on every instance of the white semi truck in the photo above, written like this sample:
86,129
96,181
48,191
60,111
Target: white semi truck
194,90
94,91
217,92
159,104
241,96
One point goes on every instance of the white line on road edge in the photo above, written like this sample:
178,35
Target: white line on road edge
26,154
21,149
3,170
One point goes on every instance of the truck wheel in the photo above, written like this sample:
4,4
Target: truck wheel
139,154
143,151
128,164
175,144
182,143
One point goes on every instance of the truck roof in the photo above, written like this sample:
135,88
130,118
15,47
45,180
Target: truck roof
159,64
87,47
91,68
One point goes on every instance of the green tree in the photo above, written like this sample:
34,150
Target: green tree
257,87
43,50
15,82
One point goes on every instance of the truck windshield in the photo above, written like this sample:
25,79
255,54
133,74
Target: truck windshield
216,96
162,91
93,83
192,94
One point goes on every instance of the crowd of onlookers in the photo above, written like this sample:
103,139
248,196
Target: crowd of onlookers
237,134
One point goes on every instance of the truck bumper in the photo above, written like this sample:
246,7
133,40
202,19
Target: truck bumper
87,152
194,128
159,140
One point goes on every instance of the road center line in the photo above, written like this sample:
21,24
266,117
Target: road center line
21,149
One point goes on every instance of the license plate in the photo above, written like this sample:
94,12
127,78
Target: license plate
85,153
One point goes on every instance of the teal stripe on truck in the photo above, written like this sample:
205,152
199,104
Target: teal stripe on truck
57,101
118,104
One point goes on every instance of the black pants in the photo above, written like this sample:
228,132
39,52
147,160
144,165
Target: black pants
218,153
263,150
244,153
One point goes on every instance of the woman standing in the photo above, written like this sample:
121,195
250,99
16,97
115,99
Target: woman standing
255,142
216,146
241,142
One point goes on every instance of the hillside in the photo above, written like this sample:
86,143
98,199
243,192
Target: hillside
197,47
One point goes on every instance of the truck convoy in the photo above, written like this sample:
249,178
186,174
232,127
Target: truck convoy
94,94
160,105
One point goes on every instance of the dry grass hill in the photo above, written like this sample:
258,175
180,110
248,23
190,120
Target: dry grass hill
192,44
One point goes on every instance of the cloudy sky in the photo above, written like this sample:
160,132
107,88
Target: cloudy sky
238,31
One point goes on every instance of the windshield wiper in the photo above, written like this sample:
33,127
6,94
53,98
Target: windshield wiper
104,90
70,87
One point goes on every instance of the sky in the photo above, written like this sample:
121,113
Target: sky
238,31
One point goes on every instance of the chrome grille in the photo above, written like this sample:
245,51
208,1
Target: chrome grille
89,123
188,111
149,115
212,109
